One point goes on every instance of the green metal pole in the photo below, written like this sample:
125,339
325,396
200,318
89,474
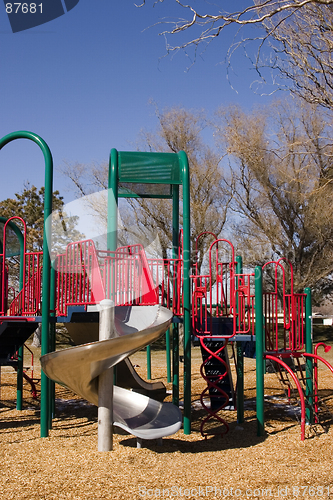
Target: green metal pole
168,357
240,356
175,365
309,362
112,224
175,326
186,291
19,379
44,415
259,351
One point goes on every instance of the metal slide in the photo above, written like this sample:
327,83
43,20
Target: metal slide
78,368
84,328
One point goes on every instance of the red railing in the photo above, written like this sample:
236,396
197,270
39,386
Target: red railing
79,279
200,305
85,276
3,287
243,317
167,276
127,277
284,311
28,301
213,294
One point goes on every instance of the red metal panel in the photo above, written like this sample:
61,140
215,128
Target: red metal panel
28,301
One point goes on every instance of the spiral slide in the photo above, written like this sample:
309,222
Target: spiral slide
79,367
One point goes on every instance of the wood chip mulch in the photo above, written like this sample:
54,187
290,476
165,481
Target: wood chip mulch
67,465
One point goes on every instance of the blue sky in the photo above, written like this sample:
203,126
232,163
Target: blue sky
83,82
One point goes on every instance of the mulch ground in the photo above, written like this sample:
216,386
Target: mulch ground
67,465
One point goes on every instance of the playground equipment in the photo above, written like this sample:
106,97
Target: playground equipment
223,307
230,306
79,369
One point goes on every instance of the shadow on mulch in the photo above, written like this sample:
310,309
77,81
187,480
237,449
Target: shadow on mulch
18,421
244,438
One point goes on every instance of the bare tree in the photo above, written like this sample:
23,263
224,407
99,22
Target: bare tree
302,52
296,39
281,160
181,129
178,129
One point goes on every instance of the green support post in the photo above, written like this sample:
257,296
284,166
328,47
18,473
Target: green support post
260,340
175,365
240,356
168,356
160,168
19,379
112,223
112,228
44,411
309,361
175,326
186,291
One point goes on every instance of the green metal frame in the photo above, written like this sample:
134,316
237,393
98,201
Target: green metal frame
159,168
45,386
309,361
260,362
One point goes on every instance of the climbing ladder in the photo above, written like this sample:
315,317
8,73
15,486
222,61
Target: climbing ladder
213,305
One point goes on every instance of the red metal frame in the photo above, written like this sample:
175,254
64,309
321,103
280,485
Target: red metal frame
212,382
85,276
221,278
317,358
293,306
28,301
127,277
299,388
4,271
167,275
79,279
243,317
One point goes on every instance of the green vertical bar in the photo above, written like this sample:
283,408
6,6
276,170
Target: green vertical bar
168,357
240,356
175,372
186,290
45,409
19,379
46,261
175,326
259,351
309,362
112,223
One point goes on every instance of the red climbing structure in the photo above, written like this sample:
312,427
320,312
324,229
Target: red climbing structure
223,311
213,310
